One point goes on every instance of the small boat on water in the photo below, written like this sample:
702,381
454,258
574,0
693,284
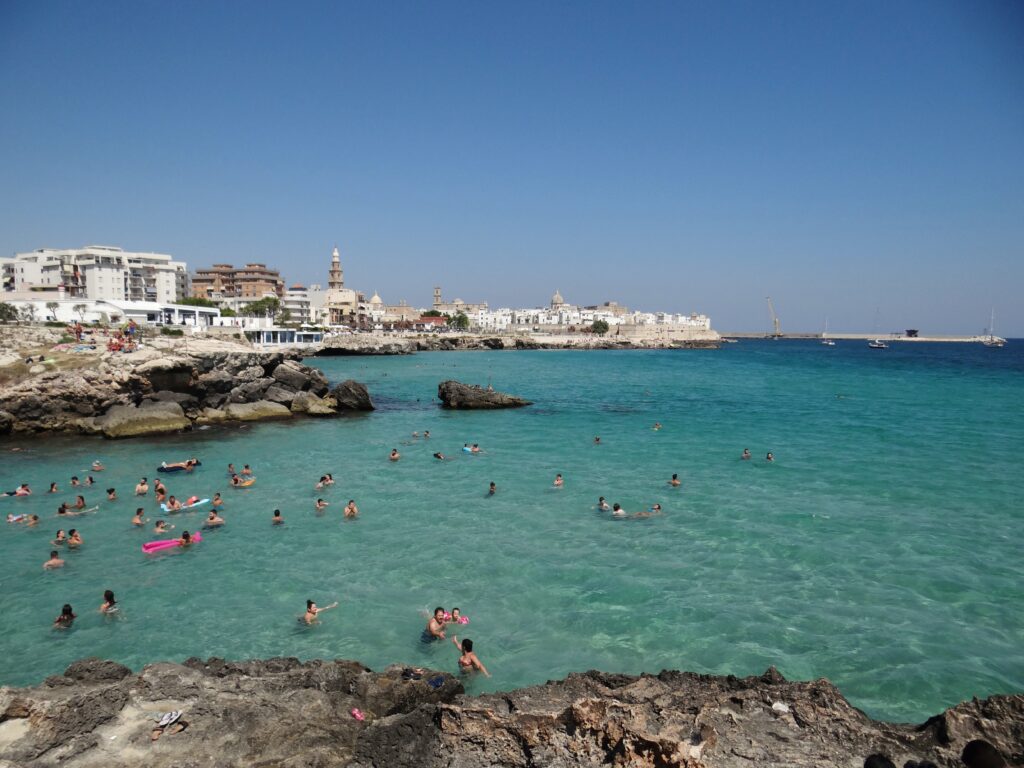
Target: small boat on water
992,340
877,344
825,340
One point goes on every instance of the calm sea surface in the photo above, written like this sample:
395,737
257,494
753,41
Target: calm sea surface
882,549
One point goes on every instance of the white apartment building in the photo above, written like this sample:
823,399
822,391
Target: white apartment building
96,272
305,305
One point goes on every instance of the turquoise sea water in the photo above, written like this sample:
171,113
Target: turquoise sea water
882,549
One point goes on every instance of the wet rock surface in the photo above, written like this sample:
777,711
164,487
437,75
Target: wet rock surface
455,394
282,712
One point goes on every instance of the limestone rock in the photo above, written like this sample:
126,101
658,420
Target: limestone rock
352,396
311,405
455,394
6,422
276,394
258,411
292,375
250,391
150,418
211,416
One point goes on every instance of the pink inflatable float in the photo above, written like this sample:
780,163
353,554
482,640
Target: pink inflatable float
156,546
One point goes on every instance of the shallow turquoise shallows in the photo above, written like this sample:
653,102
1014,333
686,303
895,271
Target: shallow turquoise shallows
882,549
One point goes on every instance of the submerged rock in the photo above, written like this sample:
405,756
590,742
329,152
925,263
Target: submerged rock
455,394
258,411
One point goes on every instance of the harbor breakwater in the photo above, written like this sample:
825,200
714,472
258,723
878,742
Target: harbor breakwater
283,712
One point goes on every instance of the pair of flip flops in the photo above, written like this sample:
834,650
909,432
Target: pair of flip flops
412,674
169,718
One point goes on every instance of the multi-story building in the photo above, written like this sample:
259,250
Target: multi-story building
97,272
224,281
305,305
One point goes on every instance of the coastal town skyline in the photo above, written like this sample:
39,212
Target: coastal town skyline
860,164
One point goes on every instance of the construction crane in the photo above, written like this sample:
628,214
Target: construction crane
776,331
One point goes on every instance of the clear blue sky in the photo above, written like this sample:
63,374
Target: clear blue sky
856,160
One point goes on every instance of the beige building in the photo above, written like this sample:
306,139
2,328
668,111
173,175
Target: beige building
456,306
341,304
222,281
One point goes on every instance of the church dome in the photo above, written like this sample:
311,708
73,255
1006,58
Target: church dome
375,299
557,299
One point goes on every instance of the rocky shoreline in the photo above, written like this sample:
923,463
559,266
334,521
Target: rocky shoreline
402,345
292,714
167,386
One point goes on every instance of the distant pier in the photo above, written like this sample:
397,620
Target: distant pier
886,337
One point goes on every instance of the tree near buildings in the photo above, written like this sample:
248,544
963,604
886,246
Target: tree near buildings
600,327
459,321
52,306
8,312
79,309
28,313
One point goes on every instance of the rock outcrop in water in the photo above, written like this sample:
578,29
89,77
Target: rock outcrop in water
455,394
282,712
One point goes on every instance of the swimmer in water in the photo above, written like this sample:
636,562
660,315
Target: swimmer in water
277,519
33,521
185,540
654,510
674,482
415,435
66,618
142,488
468,660
61,539
313,613
173,505
214,520
769,457
54,561
109,603
74,482
617,510
218,502
97,466
426,434
395,455
79,503
137,520
74,539
493,489
435,627
602,504
236,481
161,527
329,480
53,488
111,494
320,483
558,481
475,448
21,490
321,505
351,510
439,456
597,440
232,470
746,454
247,470
90,480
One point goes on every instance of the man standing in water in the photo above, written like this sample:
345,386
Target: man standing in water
435,627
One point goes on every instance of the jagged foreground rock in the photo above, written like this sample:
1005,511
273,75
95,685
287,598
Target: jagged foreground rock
288,714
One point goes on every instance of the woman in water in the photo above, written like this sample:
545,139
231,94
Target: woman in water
185,540
74,539
351,510
602,504
142,488
109,603
66,618
53,488
769,457
746,454
321,506
137,520
111,494
74,481
61,539
313,613
79,502
468,660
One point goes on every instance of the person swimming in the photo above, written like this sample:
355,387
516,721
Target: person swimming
657,426
218,502
277,519
173,505
770,456
21,490
161,527
109,603
74,539
558,481
617,510
492,489
137,520
468,660
246,470
111,494
321,506
53,488
746,454
395,455
54,561
97,466
675,482
597,440
351,510
602,504
475,448
313,612
142,488
214,520
61,539
66,619
185,540
439,456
